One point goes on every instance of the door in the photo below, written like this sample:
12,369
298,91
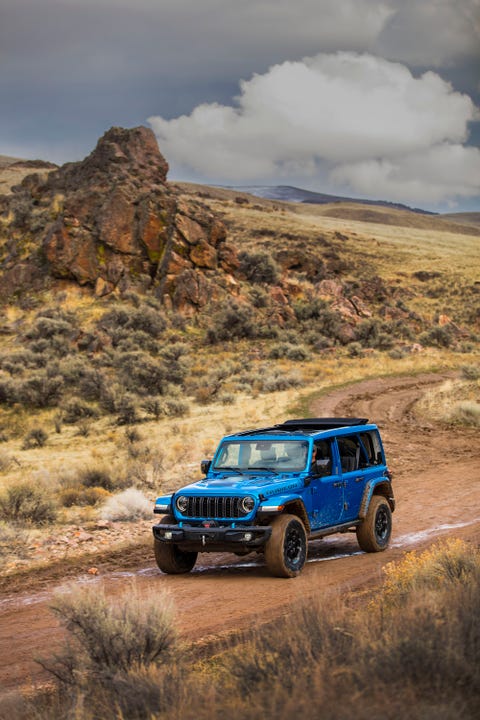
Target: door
326,487
354,464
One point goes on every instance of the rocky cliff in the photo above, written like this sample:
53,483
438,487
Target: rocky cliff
112,222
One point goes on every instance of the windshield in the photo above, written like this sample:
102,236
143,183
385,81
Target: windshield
275,455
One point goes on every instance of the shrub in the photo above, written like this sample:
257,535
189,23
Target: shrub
27,501
119,323
467,412
126,408
290,351
259,267
471,372
95,477
82,496
233,322
112,638
129,505
374,333
140,373
39,390
77,409
36,438
437,336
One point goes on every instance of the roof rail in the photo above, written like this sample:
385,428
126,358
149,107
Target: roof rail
321,423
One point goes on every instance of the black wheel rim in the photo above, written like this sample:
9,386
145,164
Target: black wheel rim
382,524
294,546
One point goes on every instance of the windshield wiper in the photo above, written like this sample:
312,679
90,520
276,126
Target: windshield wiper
261,467
229,467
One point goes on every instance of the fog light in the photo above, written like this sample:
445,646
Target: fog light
248,536
168,535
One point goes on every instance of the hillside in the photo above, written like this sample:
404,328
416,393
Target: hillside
119,287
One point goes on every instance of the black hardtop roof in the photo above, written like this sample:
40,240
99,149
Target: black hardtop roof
308,425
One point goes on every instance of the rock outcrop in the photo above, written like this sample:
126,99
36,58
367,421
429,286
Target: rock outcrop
112,221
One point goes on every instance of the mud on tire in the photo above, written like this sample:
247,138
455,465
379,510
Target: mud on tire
373,534
170,559
286,549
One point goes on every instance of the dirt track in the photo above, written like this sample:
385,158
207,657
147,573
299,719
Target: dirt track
436,481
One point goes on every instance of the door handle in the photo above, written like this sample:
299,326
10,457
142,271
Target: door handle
338,484
359,479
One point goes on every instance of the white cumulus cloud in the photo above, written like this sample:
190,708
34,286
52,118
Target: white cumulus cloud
366,123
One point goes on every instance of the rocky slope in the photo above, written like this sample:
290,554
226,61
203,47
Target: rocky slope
113,222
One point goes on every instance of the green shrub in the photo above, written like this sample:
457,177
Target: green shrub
141,374
259,267
233,322
437,337
27,501
289,351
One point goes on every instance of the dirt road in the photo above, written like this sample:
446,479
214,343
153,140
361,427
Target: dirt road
436,481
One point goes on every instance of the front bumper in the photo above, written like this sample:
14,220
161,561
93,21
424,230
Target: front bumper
213,539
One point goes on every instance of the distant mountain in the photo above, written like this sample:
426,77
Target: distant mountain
288,193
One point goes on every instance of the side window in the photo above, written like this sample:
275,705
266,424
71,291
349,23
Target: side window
352,454
376,447
369,445
323,460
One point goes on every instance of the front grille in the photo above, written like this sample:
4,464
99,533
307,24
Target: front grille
214,507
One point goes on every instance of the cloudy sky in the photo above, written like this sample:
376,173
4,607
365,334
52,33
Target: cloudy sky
370,98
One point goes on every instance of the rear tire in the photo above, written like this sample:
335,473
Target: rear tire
373,534
286,549
170,558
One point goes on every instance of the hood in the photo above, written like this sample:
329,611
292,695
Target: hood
223,482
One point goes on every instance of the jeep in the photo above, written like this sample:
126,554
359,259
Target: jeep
270,490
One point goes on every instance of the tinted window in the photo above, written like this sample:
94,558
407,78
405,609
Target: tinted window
352,454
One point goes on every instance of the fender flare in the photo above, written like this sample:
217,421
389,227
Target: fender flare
379,486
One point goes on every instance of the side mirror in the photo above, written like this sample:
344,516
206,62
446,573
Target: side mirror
205,466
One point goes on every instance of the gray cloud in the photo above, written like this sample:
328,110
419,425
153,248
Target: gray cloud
72,68
366,121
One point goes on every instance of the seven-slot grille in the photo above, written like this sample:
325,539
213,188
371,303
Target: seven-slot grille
214,507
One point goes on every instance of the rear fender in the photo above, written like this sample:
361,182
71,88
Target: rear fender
381,486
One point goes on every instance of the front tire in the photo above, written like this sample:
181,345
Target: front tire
170,558
286,549
373,534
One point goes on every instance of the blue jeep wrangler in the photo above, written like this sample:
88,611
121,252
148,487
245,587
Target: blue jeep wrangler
272,489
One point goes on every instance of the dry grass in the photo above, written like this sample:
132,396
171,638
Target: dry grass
454,402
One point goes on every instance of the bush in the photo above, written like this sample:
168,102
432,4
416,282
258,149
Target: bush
27,501
36,438
437,337
82,496
234,322
259,267
141,374
289,351
95,477
121,322
112,638
77,409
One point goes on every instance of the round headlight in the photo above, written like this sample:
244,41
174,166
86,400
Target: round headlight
182,503
247,504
